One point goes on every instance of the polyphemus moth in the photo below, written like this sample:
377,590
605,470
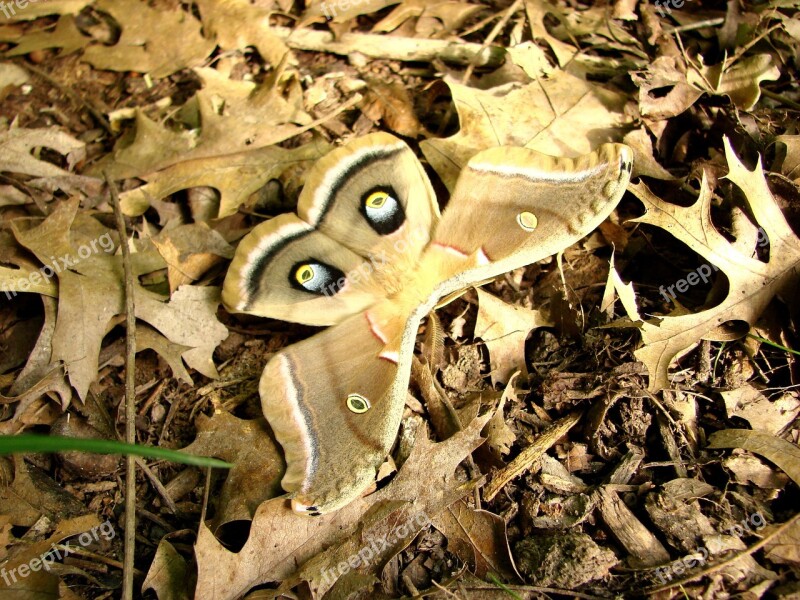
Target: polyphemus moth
369,254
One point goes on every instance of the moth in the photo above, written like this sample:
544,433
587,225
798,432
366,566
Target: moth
369,254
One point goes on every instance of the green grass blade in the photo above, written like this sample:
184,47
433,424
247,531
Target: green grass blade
10,444
773,344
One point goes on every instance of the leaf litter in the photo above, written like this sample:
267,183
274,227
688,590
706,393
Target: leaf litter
596,457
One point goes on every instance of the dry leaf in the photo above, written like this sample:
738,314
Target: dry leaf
280,539
740,81
91,294
340,12
478,538
644,163
499,436
65,36
34,10
537,11
750,470
33,494
40,582
168,574
664,91
754,407
788,156
235,176
753,283
783,547
157,42
391,103
237,24
190,251
785,455
560,116
148,338
504,329
258,465
17,146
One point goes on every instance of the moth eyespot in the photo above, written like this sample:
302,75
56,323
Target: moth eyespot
382,210
304,274
376,200
357,404
316,277
527,220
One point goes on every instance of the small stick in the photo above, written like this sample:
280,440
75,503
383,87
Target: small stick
530,454
391,47
130,398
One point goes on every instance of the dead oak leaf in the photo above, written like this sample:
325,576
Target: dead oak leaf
188,318
478,538
451,14
752,283
280,539
41,582
664,90
150,147
257,463
504,329
91,298
234,116
148,338
339,12
189,251
763,414
740,81
237,24
65,36
226,117
168,573
236,177
781,548
157,42
17,146
34,10
562,115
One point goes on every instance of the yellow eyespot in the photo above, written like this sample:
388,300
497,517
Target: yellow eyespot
357,403
527,221
304,273
376,200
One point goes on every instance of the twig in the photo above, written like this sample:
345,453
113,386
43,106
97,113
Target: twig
391,47
693,26
130,398
491,37
529,455
783,99
474,63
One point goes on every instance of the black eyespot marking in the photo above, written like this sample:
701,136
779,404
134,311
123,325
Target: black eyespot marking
382,210
316,277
